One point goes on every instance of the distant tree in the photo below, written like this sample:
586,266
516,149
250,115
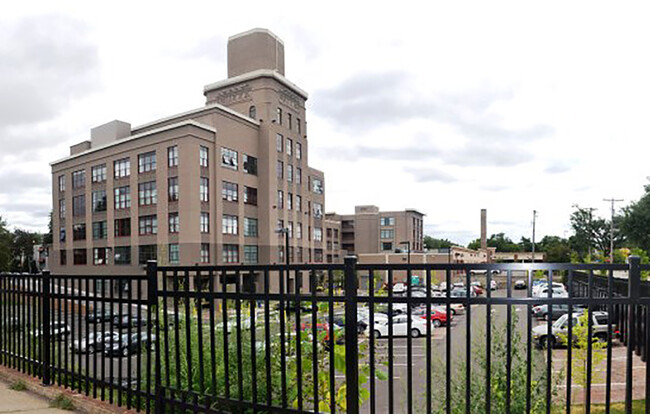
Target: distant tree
47,237
556,248
22,250
502,243
433,243
5,246
474,244
591,232
635,222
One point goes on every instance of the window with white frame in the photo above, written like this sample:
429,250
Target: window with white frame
278,116
203,190
174,253
78,179
318,234
122,168
290,227
387,234
228,158
298,205
316,185
172,188
147,162
289,201
148,225
229,191
280,199
278,142
61,183
230,253
318,210
387,221
205,222
122,197
203,156
279,168
172,156
250,227
298,150
298,230
174,222
229,224
205,253
147,193
98,173
251,254
289,146
290,173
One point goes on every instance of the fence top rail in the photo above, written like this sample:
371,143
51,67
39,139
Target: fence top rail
493,266
248,268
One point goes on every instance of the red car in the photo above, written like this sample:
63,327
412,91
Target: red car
324,327
437,318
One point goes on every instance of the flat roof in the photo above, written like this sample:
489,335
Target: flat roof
187,122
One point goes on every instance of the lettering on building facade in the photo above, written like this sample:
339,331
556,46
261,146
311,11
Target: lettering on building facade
236,94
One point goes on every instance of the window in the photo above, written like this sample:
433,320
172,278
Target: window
100,230
230,253
298,125
147,193
278,142
203,191
229,158
174,253
99,200
205,253
250,255
290,229
62,209
298,150
317,185
280,199
147,162
298,230
250,164
122,197
318,210
203,156
279,168
386,246
172,188
289,201
299,255
252,112
250,196
250,227
280,225
387,234
298,203
147,252
172,156
122,255
79,232
318,255
79,256
62,234
229,191
148,225
61,183
78,179
98,173
123,227
99,256
298,175
387,221
290,173
79,206
63,257
173,222
229,224
318,234
280,253
278,117
289,146
122,168
289,120
205,222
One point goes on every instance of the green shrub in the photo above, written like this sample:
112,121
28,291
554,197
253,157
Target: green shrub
63,403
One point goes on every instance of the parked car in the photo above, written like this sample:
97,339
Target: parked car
339,321
462,293
399,287
125,321
541,311
437,317
99,315
58,330
561,328
478,289
543,285
520,284
96,341
129,345
293,306
555,293
493,285
400,326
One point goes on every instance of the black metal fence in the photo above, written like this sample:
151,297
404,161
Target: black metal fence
335,338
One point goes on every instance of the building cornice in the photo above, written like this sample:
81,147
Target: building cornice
257,30
189,122
261,73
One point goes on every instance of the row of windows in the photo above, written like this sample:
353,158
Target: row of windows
387,221
287,145
122,254
318,255
292,174
316,234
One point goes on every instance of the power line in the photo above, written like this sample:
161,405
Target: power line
611,228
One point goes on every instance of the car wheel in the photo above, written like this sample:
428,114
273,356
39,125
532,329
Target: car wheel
437,323
545,341
91,349
453,311
377,334
415,333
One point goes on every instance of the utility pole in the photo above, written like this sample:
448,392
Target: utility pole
534,217
611,228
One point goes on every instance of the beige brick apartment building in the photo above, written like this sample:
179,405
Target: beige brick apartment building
208,186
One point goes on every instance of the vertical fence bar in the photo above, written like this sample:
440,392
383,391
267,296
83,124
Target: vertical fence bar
351,339
154,339
634,287
508,342
45,329
468,344
590,329
610,317
569,345
409,345
448,344
529,334
488,342
391,384
429,340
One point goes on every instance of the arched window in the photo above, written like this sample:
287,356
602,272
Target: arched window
252,112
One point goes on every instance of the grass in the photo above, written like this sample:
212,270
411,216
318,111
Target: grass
63,403
18,386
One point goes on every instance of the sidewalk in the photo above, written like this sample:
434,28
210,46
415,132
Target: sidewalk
24,402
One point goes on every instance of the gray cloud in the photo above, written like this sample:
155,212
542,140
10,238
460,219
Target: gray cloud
557,167
431,174
17,181
409,153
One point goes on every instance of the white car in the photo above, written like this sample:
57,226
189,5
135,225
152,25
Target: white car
493,285
400,326
557,293
544,285
399,287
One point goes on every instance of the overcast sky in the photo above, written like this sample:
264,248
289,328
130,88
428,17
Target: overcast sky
445,108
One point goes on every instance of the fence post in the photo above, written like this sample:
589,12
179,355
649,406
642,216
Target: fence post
45,328
634,290
152,306
351,336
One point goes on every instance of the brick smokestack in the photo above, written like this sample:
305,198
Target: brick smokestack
483,229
